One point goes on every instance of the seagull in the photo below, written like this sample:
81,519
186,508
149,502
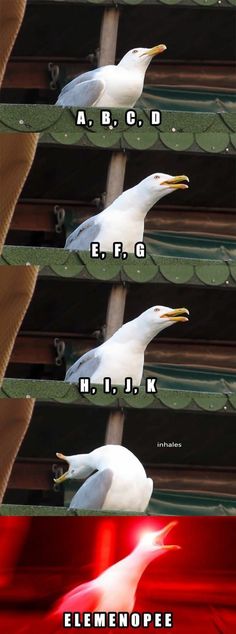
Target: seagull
111,86
115,589
120,483
123,220
122,355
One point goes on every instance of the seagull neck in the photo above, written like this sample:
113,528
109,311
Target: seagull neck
134,69
135,201
136,334
136,563
85,465
93,459
99,458
144,332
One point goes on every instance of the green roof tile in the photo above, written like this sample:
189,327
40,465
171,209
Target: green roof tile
179,399
179,131
24,509
162,503
154,268
181,3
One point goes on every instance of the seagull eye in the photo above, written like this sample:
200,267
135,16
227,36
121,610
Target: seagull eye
156,176
157,310
135,50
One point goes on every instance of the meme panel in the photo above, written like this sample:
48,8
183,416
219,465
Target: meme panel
117,316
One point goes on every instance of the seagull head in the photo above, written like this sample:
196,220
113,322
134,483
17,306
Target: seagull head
153,541
160,317
77,468
141,57
159,184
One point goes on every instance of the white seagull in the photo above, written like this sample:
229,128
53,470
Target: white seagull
123,220
111,86
115,589
122,355
120,483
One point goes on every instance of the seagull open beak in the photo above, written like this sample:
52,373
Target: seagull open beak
156,50
160,536
176,314
177,182
65,475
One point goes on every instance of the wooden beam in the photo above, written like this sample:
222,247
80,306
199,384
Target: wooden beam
114,187
108,36
39,349
34,216
117,298
214,76
208,355
33,73
33,474
38,473
34,350
182,479
115,427
38,215
195,221
30,74
115,176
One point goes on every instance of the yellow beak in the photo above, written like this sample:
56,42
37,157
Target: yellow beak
177,182
156,50
176,314
64,476
163,533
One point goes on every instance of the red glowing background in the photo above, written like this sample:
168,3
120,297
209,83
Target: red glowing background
43,558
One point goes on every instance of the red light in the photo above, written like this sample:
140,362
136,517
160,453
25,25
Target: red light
104,546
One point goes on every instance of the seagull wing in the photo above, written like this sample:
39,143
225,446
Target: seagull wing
81,238
82,91
80,79
93,492
84,367
83,598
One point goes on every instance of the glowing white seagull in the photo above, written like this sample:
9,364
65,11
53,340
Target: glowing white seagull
115,589
123,220
122,355
120,483
111,86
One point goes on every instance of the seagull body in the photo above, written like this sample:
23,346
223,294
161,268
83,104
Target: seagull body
108,86
122,355
123,220
120,483
111,86
115,589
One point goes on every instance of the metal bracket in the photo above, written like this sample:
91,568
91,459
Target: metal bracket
99,202
60,350
93,57
54,71
99,334
60,217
